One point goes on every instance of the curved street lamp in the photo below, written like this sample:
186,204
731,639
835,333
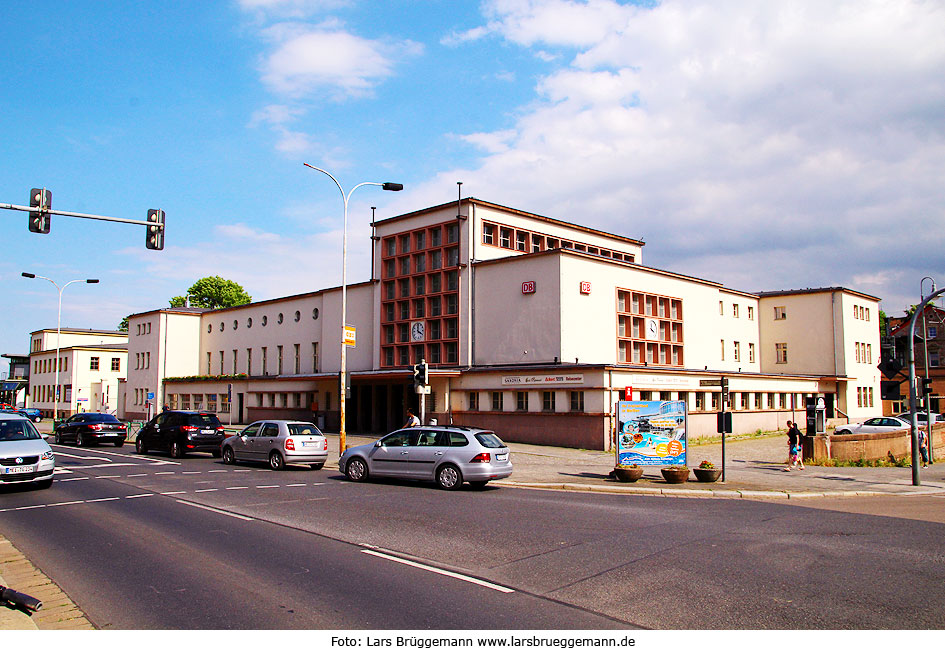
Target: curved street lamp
391,186
30,275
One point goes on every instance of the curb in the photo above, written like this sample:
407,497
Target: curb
707,494
58,611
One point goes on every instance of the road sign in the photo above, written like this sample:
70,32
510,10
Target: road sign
710,383
350,336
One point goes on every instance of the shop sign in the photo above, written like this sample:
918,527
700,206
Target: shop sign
528,287
544,379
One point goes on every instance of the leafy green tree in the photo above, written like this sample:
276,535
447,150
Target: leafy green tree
123,325
213,292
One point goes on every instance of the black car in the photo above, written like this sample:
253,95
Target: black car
91,428
180,432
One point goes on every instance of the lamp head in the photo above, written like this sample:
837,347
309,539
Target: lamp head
391,185
28,275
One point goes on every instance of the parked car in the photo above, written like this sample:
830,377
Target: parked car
180,432
874,425
91,428
448,455
921,418
280,442
32,413
25,456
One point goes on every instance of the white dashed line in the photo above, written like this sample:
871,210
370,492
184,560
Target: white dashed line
238,487
163,473
135,475
296,485
212,489
139,496
174,492
77,478
110,476
105,499
265,487
216,510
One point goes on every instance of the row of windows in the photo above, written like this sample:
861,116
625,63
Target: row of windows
406,332
49,365
143,360
861,313
280,318
141,396
649,329
44,393
430,260
422,285
521,240
864,397
736,310
737,351
144,328
264,359
864,352
432,352
548,400
210,402
420,239
711,401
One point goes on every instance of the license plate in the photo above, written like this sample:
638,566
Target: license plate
18,470
502,457
207,432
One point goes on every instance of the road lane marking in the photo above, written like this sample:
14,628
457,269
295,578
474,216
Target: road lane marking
72,455
216,510
217,471
211,489
174,492
104,499
238,487
110,476
191,472
163,473
265,487
139,496
442,572
296,485
29,507
77,478
135,475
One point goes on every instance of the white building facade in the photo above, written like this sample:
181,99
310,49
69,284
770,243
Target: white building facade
532,326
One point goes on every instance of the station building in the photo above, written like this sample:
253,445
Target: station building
531,326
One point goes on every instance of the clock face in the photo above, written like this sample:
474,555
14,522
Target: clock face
416,331
652,330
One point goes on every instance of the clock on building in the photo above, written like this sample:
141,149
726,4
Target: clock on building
652,329
417,331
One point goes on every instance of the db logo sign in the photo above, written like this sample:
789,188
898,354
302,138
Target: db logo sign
585,287
528,287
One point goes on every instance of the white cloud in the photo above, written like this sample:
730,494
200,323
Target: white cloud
764,145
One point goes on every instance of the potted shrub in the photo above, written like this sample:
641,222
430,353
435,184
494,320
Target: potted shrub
675,473
706,472
628,473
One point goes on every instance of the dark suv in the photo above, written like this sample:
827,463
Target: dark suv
180,432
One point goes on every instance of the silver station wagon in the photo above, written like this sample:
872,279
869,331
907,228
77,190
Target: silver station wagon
448,455
279,442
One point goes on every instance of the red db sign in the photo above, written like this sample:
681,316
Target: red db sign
528,287
585,287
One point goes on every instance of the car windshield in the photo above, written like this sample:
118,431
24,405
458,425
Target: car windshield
489,440
11,430
303,428
204,420
104,418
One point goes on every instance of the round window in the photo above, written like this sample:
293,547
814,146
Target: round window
314,313
279,319
249,323
265,320
235,324
298,316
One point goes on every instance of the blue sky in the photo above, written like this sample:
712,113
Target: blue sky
763,145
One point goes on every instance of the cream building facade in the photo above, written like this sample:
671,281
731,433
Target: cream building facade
531,325
90,363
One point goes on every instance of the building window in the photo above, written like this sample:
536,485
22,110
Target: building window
116,365
315,357
548,401
722,351
738,351
93,363
700,401
234,361
751,352
221,363
249,362
734,310
473,401
577,401
265,361
521,401
298,358
497,401
751,312
781,352
780,312
488,234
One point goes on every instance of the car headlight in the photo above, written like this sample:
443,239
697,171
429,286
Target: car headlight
48,455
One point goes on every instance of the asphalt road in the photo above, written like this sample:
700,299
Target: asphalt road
134,542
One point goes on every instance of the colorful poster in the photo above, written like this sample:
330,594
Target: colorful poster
651,433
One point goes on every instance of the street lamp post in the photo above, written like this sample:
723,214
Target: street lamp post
30,275
389,185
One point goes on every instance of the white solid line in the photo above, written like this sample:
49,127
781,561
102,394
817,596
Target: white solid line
105,499
174,492
222,512
138,496
442,572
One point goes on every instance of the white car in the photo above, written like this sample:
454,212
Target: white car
25,456
279,442
921,417
874,425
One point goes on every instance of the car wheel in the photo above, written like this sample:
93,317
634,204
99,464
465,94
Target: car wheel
44,485
478,485
176,450
356,470
228,457
80,440
58,438
448,477
276,462
317,465
140,446
841,433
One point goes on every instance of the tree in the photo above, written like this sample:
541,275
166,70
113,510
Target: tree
123,325
213,292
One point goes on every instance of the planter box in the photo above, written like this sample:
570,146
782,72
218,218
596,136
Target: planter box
710,475
675,475
628,475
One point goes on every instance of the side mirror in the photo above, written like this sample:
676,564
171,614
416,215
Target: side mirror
377,444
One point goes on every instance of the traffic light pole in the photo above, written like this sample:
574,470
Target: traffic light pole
73,214
913,399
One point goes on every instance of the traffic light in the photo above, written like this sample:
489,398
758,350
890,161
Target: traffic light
155,234
926,387
41,198
416,374
724,422
422,373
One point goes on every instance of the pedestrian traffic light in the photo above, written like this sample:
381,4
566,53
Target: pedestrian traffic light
416,374
40,198
926,387
155,234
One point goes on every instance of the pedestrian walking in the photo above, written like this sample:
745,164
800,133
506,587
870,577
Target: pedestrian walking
412,420
794,446
924,448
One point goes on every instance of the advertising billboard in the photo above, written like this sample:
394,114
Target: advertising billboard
651,433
